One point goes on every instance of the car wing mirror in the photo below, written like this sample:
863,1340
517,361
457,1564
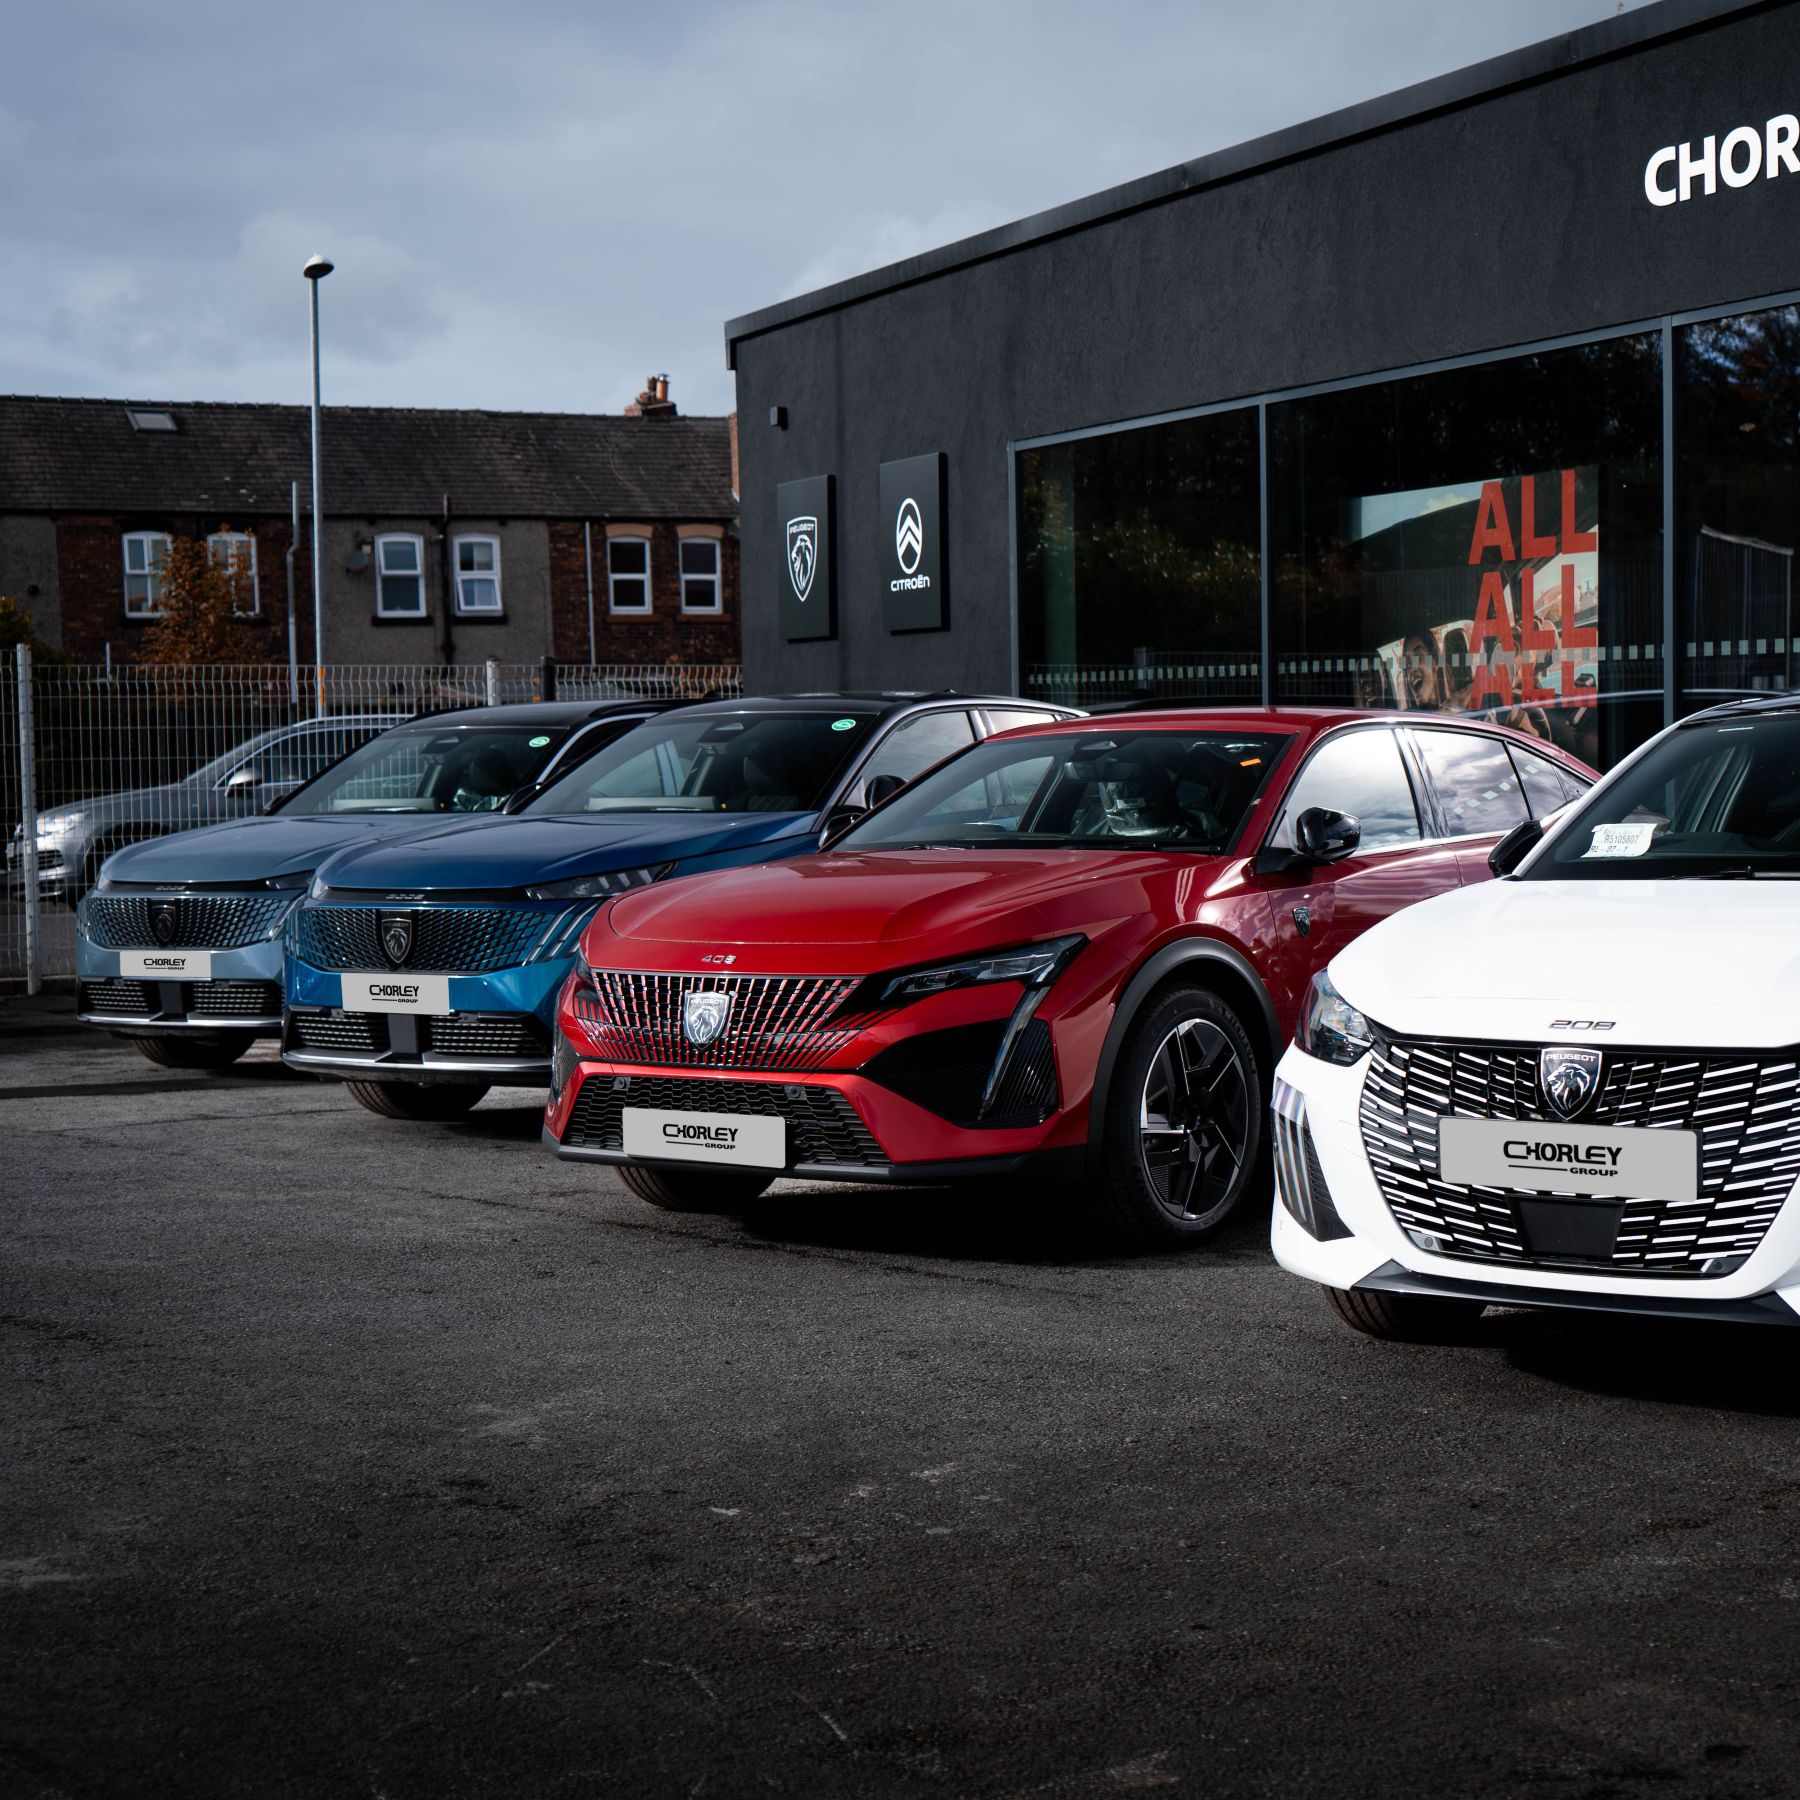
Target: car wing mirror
242,781
838,821
1324,836
1515,847
882,788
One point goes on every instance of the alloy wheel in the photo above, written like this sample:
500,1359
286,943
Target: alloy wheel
1194,1120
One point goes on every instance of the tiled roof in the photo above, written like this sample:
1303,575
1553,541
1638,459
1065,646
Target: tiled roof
239,460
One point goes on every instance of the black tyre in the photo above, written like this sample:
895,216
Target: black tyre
1184,1121
439,1102
219,1050
1406,1318
695,1190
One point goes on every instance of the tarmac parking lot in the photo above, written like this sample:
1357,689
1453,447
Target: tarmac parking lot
351,1457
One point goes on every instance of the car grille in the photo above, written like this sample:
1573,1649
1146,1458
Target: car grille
235,1000
202,921
467,939
775,1021
464,1034
823,1127
1745,1110
130,999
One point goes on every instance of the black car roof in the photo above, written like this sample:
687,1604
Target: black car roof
539,712
877,700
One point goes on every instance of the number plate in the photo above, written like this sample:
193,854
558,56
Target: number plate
1570,1159
397,992
165,965
740,1139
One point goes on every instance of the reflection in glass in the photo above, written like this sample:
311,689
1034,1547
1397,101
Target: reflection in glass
1738,428
1138,564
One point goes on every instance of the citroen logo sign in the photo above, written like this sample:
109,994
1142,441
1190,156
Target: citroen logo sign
909,535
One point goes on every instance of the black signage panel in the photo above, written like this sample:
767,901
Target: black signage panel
809,574
915,570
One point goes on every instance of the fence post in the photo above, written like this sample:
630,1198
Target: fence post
547,678
28,815
493,682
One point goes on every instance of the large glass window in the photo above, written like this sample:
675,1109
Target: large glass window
1138,563
1481,540
1738,428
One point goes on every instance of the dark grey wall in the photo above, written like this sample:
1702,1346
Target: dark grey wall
1516,218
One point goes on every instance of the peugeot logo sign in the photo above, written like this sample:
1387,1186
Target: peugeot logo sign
703,1015
802,553
909,535
1569,1079
163,922
396,937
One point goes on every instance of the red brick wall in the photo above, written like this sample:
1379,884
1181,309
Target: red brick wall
91,577
665,632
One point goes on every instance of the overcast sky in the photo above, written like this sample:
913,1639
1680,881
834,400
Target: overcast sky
536,203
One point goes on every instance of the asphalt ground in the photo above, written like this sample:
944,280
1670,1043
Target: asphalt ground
347,1457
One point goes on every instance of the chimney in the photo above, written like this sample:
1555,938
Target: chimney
654,401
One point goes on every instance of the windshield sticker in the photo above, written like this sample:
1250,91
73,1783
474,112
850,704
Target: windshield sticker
1632,838
537,743
843,724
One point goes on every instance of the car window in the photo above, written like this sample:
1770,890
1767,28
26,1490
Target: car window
426,770
1359,773
1005,718
916,744
997,798
1547,785
1477,791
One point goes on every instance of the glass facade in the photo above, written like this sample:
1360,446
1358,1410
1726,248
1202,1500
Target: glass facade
1488,538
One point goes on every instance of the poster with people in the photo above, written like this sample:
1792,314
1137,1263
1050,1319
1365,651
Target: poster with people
1487,597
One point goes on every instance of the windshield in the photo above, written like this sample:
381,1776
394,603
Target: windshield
465,768
716,762
1111,790
1719,801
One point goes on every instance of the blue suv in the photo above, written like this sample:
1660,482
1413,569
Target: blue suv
178,946
426,971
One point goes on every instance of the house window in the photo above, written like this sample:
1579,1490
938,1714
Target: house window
146,553
628,574
477,574
700,575
235,553
399,576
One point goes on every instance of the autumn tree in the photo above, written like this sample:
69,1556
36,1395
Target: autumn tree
17,627
202,606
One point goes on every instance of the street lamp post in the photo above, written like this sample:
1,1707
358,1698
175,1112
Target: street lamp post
317,268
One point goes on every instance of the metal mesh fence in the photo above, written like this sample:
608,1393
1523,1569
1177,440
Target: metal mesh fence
122,753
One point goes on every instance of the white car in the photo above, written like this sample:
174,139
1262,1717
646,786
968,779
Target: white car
1578,1085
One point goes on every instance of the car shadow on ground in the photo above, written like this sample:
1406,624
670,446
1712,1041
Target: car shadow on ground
1746,1368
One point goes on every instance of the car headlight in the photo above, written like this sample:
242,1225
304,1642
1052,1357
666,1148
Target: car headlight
599,887
54,825
1330,1027
1037,965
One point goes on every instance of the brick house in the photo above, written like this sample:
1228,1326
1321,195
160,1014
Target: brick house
449,536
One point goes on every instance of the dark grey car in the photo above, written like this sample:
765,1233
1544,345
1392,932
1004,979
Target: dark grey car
74,840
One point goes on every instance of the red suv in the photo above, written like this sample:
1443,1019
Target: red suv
1077,948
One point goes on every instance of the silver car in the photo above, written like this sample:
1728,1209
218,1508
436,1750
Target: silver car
74,840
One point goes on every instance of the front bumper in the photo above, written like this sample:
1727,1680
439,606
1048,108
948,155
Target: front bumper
498,1029
1364,1246
839,1125
243,993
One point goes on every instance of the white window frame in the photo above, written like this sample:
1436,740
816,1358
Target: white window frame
615,576
228,541
464,609
382,609
151,573
715,581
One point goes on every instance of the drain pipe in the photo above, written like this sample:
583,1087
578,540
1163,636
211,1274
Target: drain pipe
587,552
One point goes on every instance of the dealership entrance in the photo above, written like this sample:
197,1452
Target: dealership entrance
1482,397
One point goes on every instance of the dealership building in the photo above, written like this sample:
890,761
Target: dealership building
1481,396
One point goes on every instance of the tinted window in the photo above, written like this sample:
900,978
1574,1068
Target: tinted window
912,747
1710,800
1006,718
1103,790
1359,773
716,762
449,769
1547,786
1477,790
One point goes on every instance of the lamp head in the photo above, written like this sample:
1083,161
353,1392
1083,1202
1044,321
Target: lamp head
317,268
